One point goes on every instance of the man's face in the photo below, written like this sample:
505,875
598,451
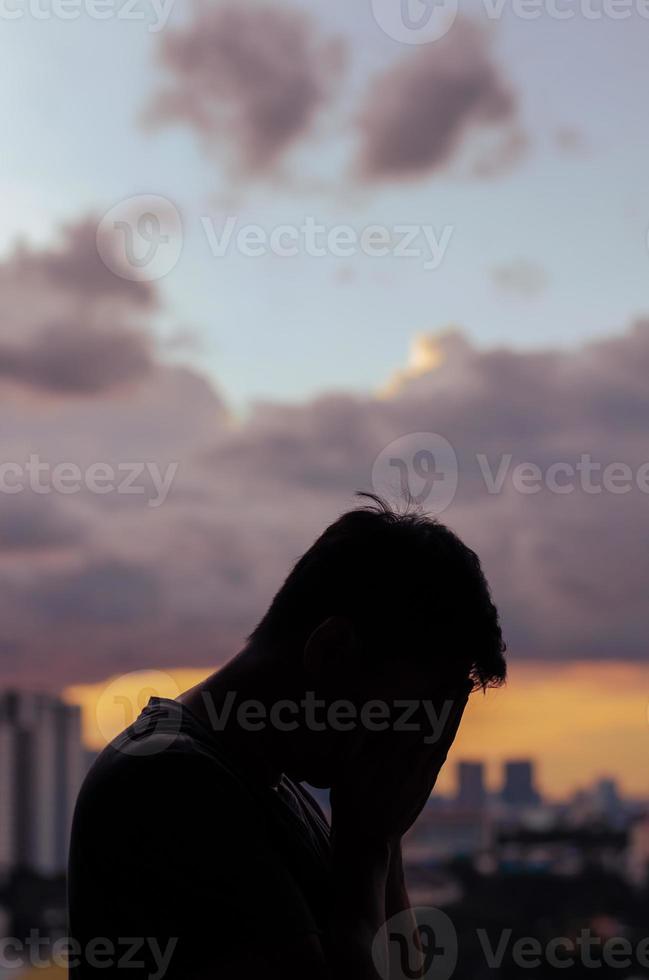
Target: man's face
400,700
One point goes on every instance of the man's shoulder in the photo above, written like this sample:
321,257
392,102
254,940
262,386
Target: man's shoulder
168,762
171,773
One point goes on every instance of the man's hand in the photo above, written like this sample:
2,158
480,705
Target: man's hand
389,777
386,783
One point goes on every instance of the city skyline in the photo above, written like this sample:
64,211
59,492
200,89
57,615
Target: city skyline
43,761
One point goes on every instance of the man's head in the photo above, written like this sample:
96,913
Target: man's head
389,606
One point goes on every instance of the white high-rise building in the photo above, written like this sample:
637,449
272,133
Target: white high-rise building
72,768
44,766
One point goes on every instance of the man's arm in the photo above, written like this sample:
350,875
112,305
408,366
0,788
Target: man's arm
388,782
397,902
369,888
396,893
361,870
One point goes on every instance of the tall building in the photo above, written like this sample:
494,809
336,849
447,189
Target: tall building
638,853
606,798
519,789
72,767
471,791
41,768
7,793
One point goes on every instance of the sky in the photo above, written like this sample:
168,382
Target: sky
248,385
573,207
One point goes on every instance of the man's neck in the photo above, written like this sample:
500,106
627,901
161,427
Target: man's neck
247,677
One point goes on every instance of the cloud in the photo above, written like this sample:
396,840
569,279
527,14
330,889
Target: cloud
571,140
28,525
97,584
249,76
104,593
418,112
75,359
74,265
520,278
67,323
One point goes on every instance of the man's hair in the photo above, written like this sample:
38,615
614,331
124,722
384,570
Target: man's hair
407,583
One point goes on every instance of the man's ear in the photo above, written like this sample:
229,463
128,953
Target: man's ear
332,652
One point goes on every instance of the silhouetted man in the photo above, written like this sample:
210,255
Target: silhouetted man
196,853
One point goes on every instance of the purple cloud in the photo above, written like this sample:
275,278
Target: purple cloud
95,584
252,78
419,110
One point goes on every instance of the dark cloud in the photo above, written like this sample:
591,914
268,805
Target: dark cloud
78,360
75,265
419,110
103,594
91,585
28,525
249,77
186,582
69,325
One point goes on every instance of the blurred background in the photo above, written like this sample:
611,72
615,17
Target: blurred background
255,256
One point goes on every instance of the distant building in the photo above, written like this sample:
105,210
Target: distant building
5,922
449,832
7,794
42,763
602,803
638,853
606,798
471,791
519,789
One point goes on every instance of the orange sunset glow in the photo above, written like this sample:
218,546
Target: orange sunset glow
578,721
